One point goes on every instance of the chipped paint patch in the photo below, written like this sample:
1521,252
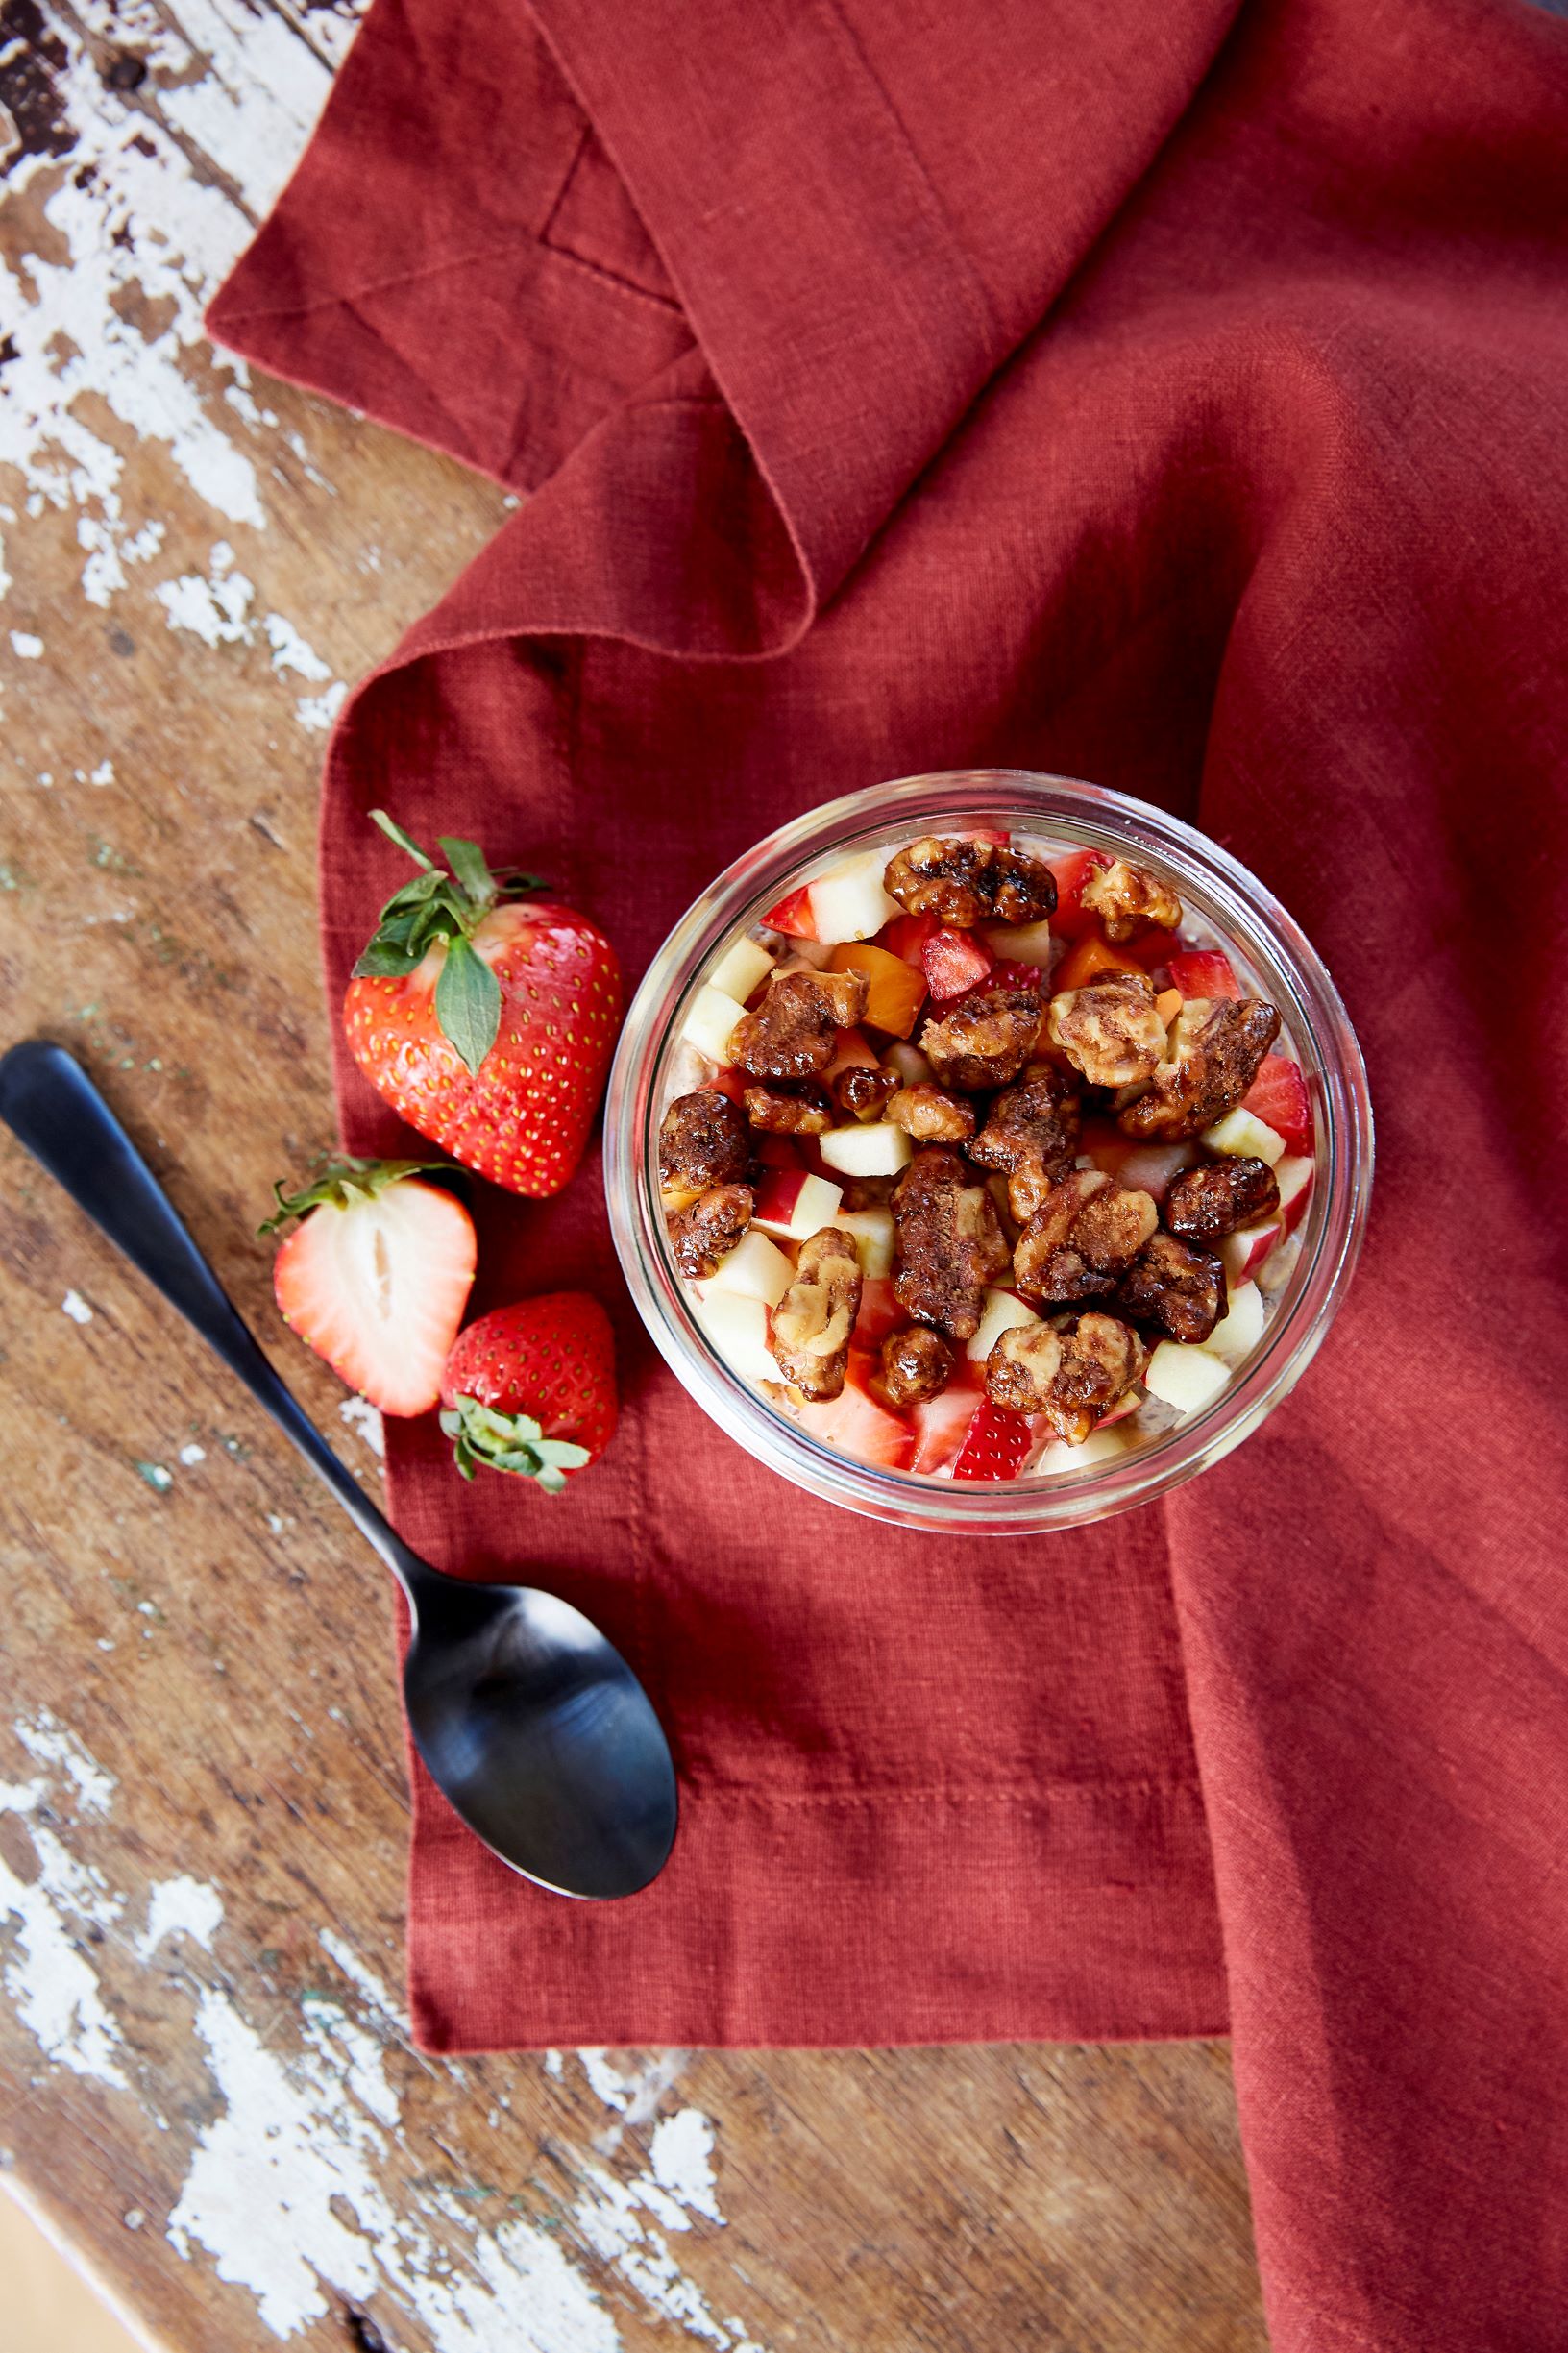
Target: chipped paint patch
182,1906
681,2160
49,1742
26,648
214,610
191,1455
365,1421
289,651
76,1308
317,713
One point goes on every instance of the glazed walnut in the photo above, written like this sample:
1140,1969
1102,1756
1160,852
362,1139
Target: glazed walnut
861,1090
1030,1137
932,1116
812,1323
1086,1232
914,1364
1216,1044
1073,1376
967,882
1127,900
708,1229
1177,1290
985,1039
1109,1029
793,1032
790,1111
1206,1204
703,1141
949,1242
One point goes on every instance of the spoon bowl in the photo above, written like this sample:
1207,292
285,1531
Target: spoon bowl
532,1725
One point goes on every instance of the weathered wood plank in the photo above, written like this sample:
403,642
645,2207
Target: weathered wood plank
201,1810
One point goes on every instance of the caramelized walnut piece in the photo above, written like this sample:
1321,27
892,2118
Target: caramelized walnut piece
1127,900
1084,1234
985,1038
949,1242
1073,1376
1109,1029
1206,1204
916,1364
703,1141
812,1323
932,1116
862,1088
1216,1044
967,882
1177,1290
708,1229
789,1111
1029,1135
793,1032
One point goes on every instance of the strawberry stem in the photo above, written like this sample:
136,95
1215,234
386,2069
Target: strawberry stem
442,909
345,1184
509,1442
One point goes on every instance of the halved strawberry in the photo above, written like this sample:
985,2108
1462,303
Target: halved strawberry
792,915
1203,973
998,1446
906,936
939,1426
854,1424
1072,919
953,961
530,1389
486,1019
1277,1096
375,1276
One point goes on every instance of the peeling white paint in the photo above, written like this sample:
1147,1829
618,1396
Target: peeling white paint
289,651
316,713
681,2159
49,1742
365,1421
25,647
180,1906
76,1308
214,610
191,1455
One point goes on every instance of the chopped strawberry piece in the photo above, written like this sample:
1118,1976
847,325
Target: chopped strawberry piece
1277,1096
998,1446
776,1151
854,1423
850,1052
940,1425
1203,971
880,1312
731,1082
792,915
1072,919
1008,973
954,961
906,936
990,835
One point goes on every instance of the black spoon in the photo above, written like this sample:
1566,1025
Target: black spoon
535,1729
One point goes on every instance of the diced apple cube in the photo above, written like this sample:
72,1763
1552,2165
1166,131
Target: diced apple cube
1293,1175
1102,1445
1240,1329
740,969
1243,1252
738,1328
874,1239
1245,1137
1001,1312
757,1268
850,902
1186,1377
795,1204
1279,1266
1021,942
710,1023
877,1149
910,1064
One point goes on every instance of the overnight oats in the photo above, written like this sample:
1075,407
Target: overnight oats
982,1155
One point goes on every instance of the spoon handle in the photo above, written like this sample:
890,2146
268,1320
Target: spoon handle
50,1103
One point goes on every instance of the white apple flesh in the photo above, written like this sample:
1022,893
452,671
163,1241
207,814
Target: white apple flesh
1294,1176
1244,1251
1001,1312
850,902
738,1328
757,1268
793,1205
872,1231
876,1149
740,969
1243,1137
1240,1329
1186,1377
710,1023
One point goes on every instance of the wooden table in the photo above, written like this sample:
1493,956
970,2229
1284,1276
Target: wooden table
207,2086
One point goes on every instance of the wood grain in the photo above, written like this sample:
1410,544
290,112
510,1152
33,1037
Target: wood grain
185,1615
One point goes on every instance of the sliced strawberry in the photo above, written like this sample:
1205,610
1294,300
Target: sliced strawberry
939,1426
375,1276
1277,1096
1072,919
998,1446
792,915
906,936
954,961
880,1312
731,1082
1203,973
854,1424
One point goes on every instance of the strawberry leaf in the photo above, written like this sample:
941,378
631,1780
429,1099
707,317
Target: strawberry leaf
394,833
343,1182
467,862
385,960
468,1003
509,1442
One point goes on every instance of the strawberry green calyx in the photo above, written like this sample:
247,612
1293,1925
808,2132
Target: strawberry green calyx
444,906
346,1183
509,1442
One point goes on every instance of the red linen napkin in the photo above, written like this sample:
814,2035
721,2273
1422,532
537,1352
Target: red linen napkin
1169,396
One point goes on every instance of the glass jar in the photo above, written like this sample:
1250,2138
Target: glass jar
1271,954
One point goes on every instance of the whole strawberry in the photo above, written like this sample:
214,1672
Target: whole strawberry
375,1276
485,1016
531,1388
